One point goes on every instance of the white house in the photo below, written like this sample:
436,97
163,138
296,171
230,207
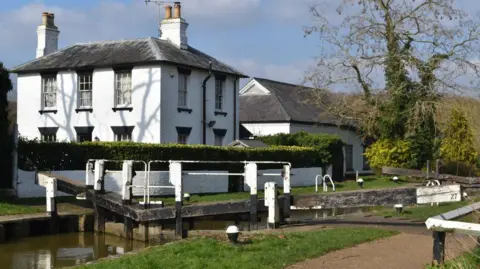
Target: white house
156,90
270,107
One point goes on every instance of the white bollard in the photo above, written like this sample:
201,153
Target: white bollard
127,170
99,175
271,201
89,175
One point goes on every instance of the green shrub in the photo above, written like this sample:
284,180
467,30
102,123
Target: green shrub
73,156
457,143
331,144
387,152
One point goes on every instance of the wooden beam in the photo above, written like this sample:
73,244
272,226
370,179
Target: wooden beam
423,174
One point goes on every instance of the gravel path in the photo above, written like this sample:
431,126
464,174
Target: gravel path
410,249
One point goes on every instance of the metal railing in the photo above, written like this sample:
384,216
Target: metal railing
324,183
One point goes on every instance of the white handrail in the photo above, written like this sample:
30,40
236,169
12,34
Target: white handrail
325,187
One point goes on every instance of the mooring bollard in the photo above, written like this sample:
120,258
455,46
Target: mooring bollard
176,179
251,180
286,190
271,201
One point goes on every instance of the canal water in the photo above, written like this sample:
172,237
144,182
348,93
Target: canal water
64,250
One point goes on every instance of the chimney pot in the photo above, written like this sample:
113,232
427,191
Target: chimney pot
45,18
168,12
177,11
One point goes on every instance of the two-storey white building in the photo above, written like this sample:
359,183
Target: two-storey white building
156,90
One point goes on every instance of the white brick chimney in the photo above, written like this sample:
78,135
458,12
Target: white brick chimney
47,34
174,28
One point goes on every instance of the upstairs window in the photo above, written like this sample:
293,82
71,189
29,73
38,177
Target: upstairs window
85,87
48,134
123,88
84,134
183,75
122,133
219,94
49,91
182,134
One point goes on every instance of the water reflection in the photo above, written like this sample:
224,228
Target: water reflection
56,251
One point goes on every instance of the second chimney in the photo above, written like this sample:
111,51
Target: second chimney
177,10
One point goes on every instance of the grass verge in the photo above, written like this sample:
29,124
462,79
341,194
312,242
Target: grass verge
466,261
262,251
423,212
370,182
37,205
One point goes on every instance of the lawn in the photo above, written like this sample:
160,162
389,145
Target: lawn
423,212
370,182
37,205
259,251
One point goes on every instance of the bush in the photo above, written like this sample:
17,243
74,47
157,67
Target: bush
331,144
387,152
34,155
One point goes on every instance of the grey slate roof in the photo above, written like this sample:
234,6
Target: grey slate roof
286,103
124,52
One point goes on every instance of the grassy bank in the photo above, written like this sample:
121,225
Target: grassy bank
263,251
37,205
370,182
423,212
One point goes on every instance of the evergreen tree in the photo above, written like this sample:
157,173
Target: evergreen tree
5,138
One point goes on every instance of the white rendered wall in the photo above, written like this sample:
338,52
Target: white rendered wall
171,118
145,115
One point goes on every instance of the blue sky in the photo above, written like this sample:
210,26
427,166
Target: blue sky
261,38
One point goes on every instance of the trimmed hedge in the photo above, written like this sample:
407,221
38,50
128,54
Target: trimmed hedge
332,144
73,156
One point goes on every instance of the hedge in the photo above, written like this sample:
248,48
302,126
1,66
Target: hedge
35,155
332,144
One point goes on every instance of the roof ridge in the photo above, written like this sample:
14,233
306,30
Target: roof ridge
113,41
154,47
281,82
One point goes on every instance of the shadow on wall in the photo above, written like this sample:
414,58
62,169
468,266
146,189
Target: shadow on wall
69,104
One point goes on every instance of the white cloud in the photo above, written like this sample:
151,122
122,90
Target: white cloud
111,20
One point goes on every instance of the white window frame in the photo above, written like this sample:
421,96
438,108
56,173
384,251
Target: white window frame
123,84
182,138
49,87
85,81
123,137
48,137
219,94
182,90
218,140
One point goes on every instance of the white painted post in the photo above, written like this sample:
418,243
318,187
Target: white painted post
271,201
99,175
89,175
286,190
126,181
251,180
176,179
51,186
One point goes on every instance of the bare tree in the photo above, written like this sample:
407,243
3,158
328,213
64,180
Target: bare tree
390,50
